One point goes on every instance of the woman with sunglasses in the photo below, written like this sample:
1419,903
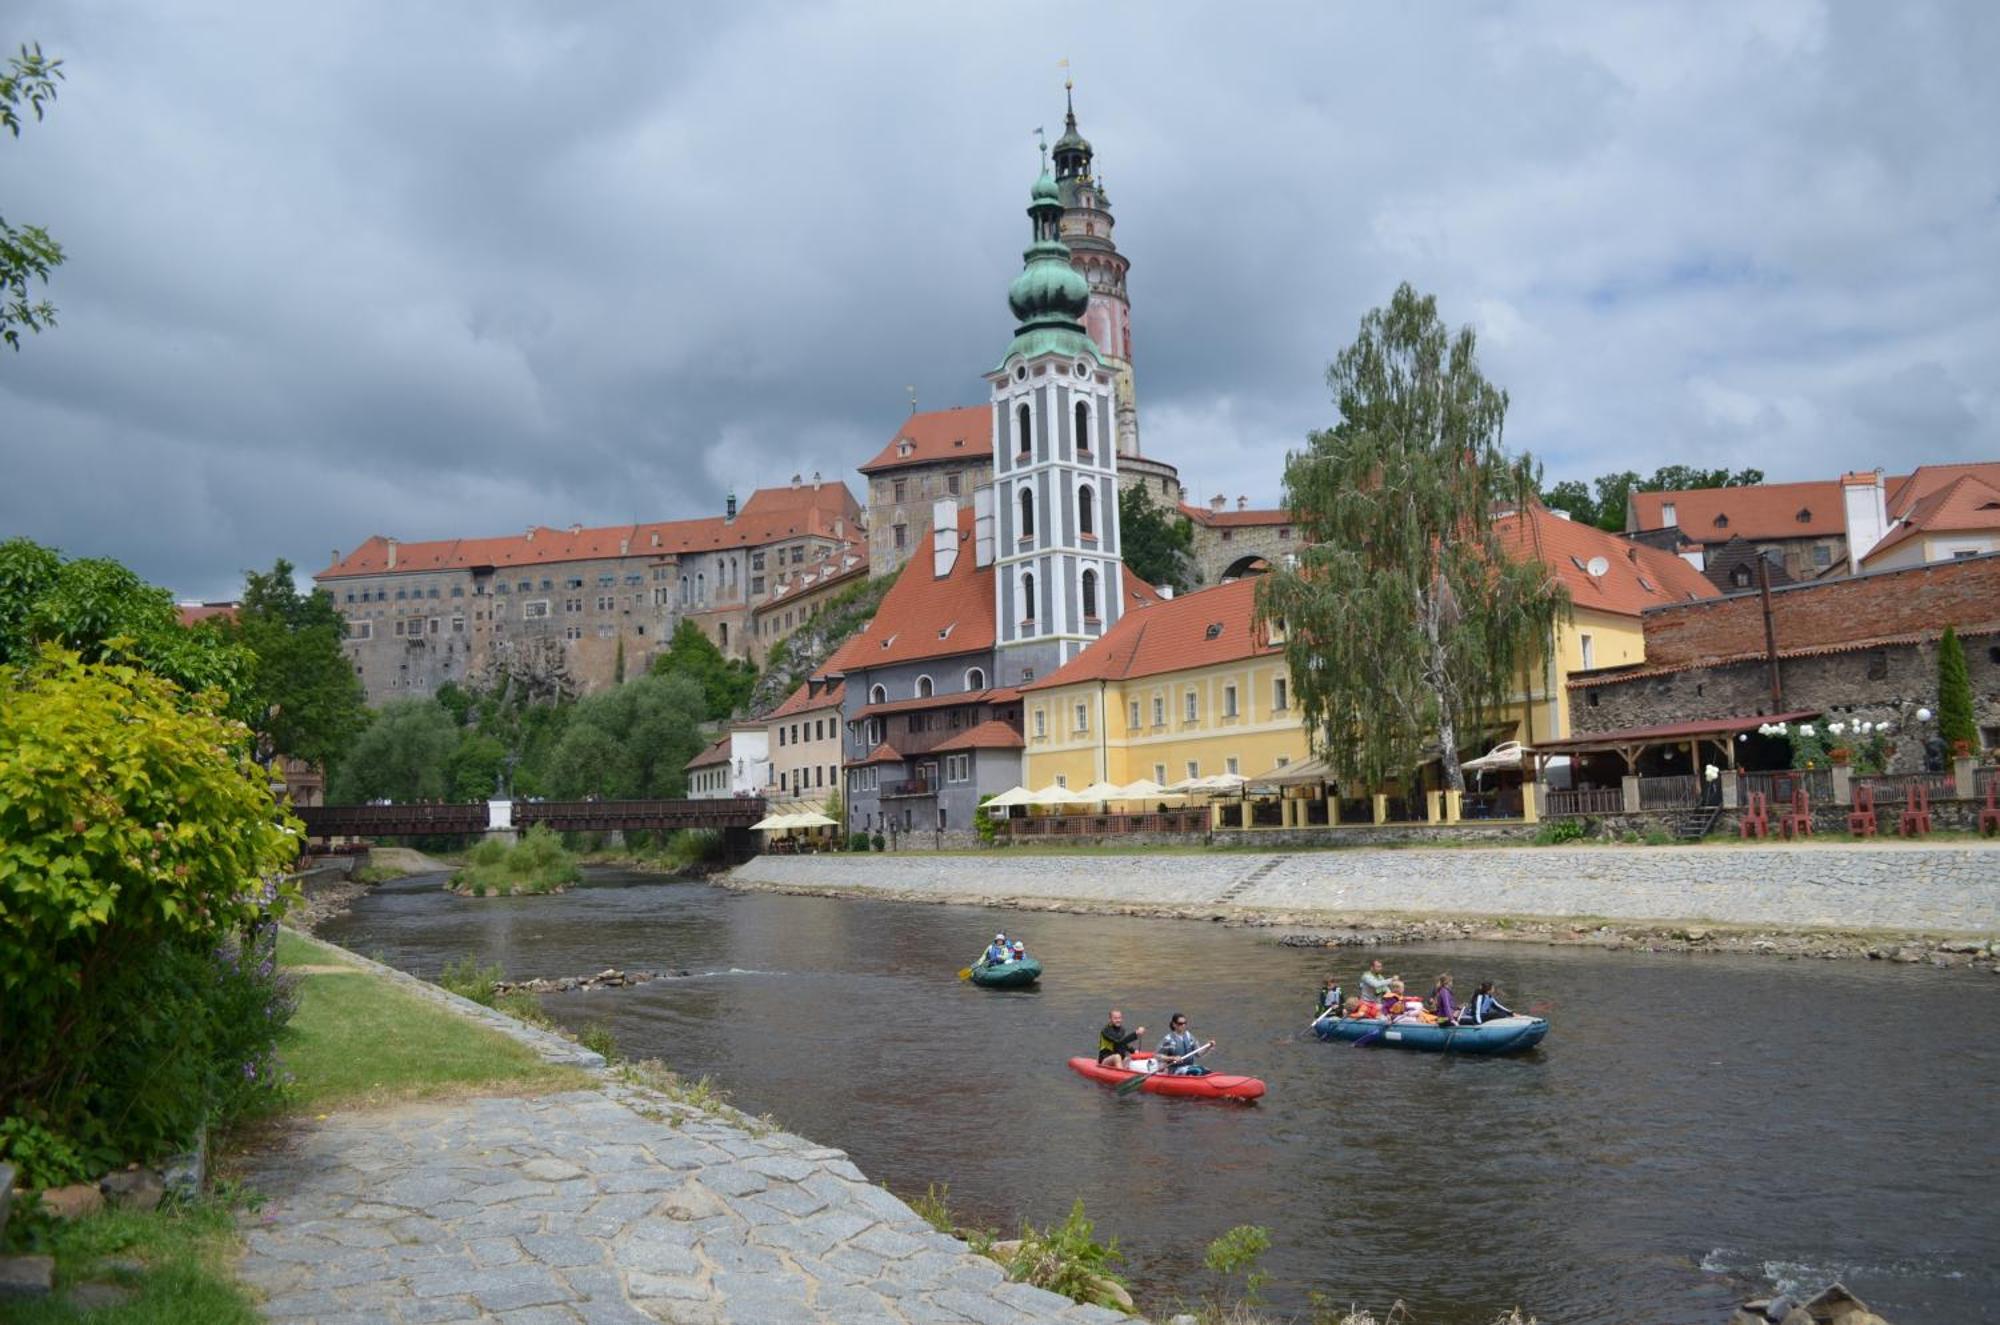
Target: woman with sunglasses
1179,1043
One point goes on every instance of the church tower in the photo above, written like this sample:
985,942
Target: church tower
1055,464
1086,230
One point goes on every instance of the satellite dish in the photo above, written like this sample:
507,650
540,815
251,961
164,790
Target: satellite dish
1597,567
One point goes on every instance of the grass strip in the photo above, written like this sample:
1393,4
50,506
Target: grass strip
175,1263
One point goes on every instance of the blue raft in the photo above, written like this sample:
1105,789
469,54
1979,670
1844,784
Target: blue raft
1007,975
1503,1035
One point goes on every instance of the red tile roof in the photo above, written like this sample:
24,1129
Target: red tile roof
194,613
803,700
1642,672
1766,510
1192,630
1636,577
715,754
992,734
997,695
1214,519
963,433
827,510
1965,505
884,753
1905,492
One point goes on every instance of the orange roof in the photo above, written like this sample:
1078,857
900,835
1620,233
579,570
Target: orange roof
715,754
1192,630
1904,493
195,613
1214,519
803,700
1966,504
1635,578
992,734
827,510
963,433
1765,510
884,753
996,695
923,616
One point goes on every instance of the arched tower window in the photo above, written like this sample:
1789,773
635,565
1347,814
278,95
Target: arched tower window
1089,594
1027,596
975,678
924,688
877,695
1027,514
1024,421
1082,427
1086,510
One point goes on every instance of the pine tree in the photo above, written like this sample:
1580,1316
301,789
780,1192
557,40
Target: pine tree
1955,721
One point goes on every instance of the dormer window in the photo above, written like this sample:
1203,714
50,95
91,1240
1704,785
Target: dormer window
1805,515
905,446
1722,522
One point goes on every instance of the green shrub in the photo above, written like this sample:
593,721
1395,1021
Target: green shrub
468,979
985,827
1656,838
538,863
690,847
1066,1258
137,998
1554,832
1954,711
522,1006
877,842
857,841
932,1207
597,1038
1237,1252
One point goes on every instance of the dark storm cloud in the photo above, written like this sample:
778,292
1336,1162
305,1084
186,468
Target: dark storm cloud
453,269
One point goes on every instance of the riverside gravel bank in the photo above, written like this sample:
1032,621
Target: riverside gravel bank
1937,904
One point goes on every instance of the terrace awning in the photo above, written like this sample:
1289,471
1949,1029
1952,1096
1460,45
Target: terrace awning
1304,773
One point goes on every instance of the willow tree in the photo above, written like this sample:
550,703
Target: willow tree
1406,621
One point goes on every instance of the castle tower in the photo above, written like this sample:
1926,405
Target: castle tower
1055,464
1086,230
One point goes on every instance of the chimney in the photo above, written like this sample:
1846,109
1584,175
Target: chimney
795,480
576,529
729,506
1867,511
625,545
656,538
982,527
392,552
815,480
531,533
1242,503
944,537
1218,502
840,526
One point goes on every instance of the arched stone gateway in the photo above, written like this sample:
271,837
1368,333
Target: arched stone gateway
1245,566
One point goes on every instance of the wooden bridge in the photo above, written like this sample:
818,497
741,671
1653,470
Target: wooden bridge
328,821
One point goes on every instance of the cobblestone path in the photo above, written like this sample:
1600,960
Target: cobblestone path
606,1205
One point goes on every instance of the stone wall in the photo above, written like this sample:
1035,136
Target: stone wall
1885,684
1218,547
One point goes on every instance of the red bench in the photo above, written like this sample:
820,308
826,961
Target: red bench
1861,819
1756,820
1798,820
1916,820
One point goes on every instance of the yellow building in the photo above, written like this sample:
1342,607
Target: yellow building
1186,687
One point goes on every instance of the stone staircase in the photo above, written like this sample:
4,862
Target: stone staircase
1694,825
1249,880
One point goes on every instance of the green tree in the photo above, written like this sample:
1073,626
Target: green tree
725,683
1954,715
1606,509
401,755
473,769
303,699
104,612
1405,619
1157,544
631,742
27,253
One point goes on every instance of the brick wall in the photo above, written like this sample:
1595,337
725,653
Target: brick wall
1824,612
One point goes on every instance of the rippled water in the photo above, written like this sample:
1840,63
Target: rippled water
1693,1129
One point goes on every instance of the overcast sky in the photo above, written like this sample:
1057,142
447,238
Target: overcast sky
455,268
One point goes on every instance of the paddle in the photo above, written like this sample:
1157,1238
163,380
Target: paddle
1135,1083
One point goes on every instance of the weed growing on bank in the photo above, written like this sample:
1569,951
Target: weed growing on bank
538,863
175,1262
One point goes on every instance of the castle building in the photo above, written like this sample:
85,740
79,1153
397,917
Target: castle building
947,453
569,611
1016,585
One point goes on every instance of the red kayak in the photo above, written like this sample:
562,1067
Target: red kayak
1214,1086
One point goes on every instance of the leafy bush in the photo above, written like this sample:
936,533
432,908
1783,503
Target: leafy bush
878,842
1555,832
1954,711
468,979
1066,1258
1237,1252
933,1206
538,863
597,1038
690,847
984,826
137,995
857,841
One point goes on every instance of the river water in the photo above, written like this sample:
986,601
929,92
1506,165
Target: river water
1693,1129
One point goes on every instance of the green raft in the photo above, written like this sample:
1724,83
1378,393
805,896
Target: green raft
1007,975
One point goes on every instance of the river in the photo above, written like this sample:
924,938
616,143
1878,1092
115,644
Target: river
1694,1129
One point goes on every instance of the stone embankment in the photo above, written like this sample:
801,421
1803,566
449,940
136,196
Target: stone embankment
620,1204
1936,901
608,978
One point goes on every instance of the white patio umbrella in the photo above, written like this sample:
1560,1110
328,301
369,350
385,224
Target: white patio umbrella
1053,794
771,823
810,819
1009,798
1145,789
1101,791
1507,754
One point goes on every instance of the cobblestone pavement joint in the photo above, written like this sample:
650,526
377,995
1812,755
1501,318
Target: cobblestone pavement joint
599,1206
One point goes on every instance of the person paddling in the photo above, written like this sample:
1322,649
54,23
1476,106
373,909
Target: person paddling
1114,1043
1374,984
1486,1006
997,952
1177,1046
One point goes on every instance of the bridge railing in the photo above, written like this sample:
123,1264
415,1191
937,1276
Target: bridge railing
324,821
